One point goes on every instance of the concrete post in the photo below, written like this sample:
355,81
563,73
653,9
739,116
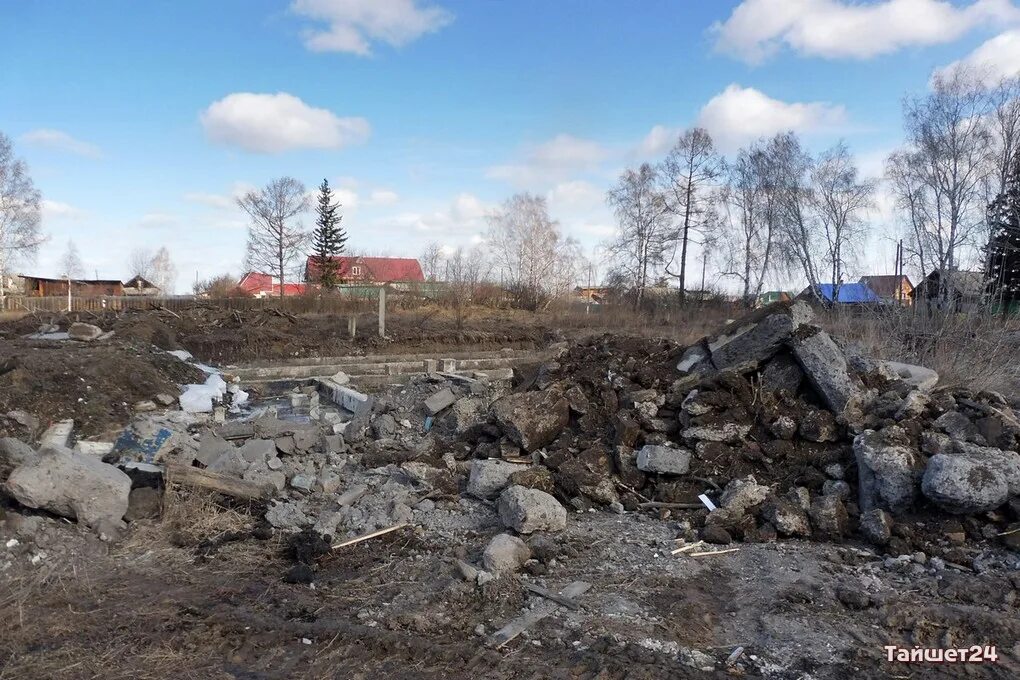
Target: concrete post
382,311
352,325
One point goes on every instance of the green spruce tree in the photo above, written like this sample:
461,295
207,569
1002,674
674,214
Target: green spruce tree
1002,255
328,239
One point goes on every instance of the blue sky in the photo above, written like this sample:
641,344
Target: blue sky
141,120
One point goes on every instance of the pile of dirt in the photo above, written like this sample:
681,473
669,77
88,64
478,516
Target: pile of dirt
224,336
95,384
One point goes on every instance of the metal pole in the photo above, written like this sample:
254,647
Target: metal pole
382,311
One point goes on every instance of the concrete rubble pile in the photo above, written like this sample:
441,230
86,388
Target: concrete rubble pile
769,429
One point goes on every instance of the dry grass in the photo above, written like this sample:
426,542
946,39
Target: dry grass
972,350
191,516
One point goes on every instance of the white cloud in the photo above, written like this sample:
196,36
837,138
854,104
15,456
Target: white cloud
465,217
55,210
347,198
226,201
840,29
994,60
271,123
60,141
352,25
383,197
157,220
659,140
575,194
741,114
551,161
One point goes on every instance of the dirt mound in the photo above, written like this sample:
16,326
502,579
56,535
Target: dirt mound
94,384
231,336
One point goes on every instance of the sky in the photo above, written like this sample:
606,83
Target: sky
142,121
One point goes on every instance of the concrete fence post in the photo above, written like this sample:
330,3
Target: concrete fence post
382,311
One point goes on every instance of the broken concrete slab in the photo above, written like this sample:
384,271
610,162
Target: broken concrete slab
210,447
920,377
721,432
490,476
532,419
440,400
663,459
964,484
825,367
782,374
72,485
529,510
13,452
888,470
760,335
58,434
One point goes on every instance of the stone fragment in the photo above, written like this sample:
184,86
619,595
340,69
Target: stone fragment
919,377
84,332
819,426
875,525
784,427
303,483
488,477
722,432
505,553
288,517
888,470
164,399
13,452
782,374
532,419
384,426
210,447
787,517
535,477
72,485
715,534
741,495
829,516
694,359
663,459
933,443
837,488
530,510
913,405
957,426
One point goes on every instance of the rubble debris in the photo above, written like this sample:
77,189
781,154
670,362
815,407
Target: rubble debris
373,534
888,471
72,485
226,484
529,510
58,434
13,452
514,628
964,483
144,503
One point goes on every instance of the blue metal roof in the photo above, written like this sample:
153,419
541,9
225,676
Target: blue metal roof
849,293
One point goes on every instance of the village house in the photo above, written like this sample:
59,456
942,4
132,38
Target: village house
370,270
890,288
39,286
958,290
261,285
844,294
139,286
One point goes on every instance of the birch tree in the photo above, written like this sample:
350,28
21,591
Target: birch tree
690,174
276,239
645,228
20,214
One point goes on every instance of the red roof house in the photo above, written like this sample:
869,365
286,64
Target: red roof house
371,270
267,285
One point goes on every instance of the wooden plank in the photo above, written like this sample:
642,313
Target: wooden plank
530,618
187,475
365,537
550,595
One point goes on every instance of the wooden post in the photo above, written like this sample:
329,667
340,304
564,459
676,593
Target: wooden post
382,311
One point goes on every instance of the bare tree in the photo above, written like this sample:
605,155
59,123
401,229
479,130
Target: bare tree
429,260
222,286
533,257
797,233
141,263
70,263
163,271
646,229
275,237
691,174
1005,103
752,214
841,202
902,173
20,216
949,144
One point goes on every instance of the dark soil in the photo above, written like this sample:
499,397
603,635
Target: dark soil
95,384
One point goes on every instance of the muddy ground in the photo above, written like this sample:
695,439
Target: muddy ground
164,605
